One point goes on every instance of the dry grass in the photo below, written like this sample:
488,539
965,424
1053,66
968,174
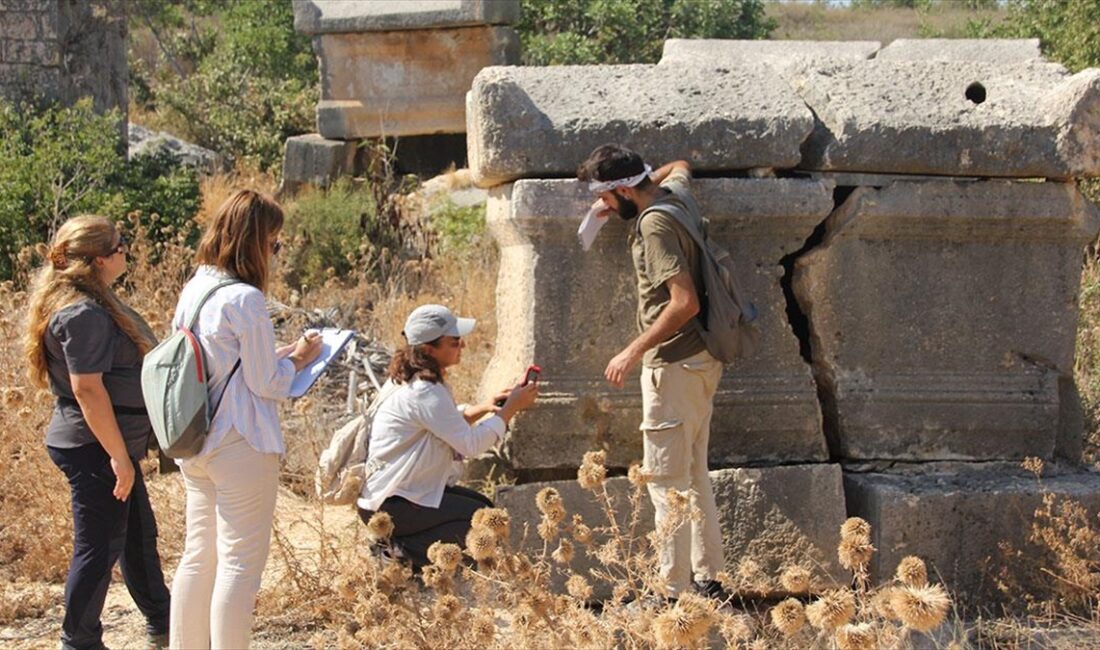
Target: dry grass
812,21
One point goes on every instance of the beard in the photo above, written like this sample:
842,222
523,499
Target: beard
626,209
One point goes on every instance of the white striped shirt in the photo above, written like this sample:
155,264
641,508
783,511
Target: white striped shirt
234,324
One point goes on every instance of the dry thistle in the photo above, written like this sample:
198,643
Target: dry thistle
860,636
1034,465
582,534
564,552
495,519
445,556
912,571
832,610
379,527
795,579
854,553
788,617
592,472
436,578
608,554
447,607
920,608
856,529
548,530
880,602
483,629
685,623
549,503
578,587
481,544
736,629
636,476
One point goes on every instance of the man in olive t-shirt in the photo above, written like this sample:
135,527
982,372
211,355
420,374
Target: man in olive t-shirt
679,377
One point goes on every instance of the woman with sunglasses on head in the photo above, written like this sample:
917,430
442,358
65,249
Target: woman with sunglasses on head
418,433
86,345
232,482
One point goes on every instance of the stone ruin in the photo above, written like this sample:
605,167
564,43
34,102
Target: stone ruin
907,222
396,69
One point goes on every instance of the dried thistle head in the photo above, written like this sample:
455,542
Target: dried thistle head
549,502
582,534
685,623
578,587
920,608
912,571
495,519
788,617
1034,465
436,578
759,644
636,476
856,529
547,529
854,553
880,603
736,629
608,554
483,630
859,636
833,609
447,607
677,503
481,544
564,553
795,579
379,527
444,555
592,472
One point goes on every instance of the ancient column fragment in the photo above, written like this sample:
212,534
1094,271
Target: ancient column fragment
312,159
717,53
990,50
775,516
943,317
572,311
956,516
543,122
954,118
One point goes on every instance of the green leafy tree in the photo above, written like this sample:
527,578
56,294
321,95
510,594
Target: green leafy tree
557,32
1068,30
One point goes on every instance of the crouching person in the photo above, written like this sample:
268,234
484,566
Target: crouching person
419,433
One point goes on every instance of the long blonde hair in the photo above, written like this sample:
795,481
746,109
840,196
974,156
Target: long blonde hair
237,238
69,276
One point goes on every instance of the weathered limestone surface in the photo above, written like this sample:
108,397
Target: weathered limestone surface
720,53
952,118
776,516
335,16
991,50
571,311
943,316
954,518
543,122
404,82
312,159
63,50
143,142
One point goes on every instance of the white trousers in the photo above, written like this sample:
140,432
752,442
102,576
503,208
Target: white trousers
230,508
677,402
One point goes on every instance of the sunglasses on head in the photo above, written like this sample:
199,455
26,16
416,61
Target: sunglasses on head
276,247
119,247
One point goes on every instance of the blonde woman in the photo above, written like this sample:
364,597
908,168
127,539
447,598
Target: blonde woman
231,483
86,345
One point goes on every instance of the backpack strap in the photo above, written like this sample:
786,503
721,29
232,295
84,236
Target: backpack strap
195,320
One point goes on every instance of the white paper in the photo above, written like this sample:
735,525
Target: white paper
332,344
592,224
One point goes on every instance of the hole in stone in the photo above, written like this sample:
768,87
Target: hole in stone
975,92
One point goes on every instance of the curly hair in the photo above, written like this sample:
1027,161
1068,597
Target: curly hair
411,361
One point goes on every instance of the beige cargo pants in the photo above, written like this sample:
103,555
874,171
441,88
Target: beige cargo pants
677,402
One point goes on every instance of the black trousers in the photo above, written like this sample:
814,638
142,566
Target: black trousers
416,527
105,531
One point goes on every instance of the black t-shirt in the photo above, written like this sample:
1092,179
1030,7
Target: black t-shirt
83,339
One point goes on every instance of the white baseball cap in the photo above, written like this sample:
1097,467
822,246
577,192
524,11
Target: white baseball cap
426,323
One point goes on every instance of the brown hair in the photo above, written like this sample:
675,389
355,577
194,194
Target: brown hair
411,361
610,162
236,240
69,276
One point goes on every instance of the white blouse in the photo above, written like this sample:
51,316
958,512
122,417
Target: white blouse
417,435
234,324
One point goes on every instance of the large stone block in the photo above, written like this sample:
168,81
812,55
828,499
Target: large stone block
774,516
336,16
990,50
312,159
955,516
571,311
396,83
943,317
543,122
952,118
712,53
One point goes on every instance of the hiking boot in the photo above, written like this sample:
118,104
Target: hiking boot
712,589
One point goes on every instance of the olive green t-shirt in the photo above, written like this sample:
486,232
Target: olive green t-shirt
660,248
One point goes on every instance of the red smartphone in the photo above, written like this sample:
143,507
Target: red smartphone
531,375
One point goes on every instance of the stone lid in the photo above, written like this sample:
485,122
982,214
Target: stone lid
712,52
992,50
331,16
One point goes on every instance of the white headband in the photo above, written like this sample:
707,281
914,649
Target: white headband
630,181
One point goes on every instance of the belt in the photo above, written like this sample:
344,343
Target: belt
119,410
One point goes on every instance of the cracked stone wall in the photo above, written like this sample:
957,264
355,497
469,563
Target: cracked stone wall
906,219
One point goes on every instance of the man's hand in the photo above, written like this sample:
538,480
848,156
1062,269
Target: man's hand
619,367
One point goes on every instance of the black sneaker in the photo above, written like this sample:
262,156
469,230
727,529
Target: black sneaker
711,589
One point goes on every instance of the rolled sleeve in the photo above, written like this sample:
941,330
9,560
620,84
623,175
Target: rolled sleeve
439,415
87,340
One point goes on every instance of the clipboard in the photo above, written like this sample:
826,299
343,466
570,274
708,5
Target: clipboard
333,342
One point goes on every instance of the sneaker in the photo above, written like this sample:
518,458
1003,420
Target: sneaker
712,589
388,553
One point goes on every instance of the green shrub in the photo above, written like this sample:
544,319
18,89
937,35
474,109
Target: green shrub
1068,30
458,229
557,32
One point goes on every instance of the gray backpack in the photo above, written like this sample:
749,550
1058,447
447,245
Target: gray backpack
726,320
175,384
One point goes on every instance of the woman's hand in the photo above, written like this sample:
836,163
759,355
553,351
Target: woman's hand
519,398
124,477
306,350
475,412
